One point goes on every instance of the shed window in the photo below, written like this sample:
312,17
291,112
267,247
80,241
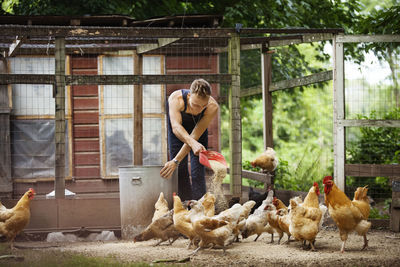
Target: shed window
116,115
32,124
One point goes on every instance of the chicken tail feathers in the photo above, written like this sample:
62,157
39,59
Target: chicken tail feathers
363,227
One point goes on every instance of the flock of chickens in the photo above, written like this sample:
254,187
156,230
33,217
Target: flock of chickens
302,219
198,221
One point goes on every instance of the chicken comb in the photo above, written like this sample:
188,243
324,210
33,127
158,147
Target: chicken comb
316,188
327,178
174,194
31,189
316,185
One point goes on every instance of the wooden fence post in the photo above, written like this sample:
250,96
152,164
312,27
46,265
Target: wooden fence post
338,114
138,113
6,183
235,134
59,182
395,212
267,96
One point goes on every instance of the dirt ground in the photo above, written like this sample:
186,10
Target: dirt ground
383,250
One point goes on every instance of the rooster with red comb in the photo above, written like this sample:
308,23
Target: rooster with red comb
348,215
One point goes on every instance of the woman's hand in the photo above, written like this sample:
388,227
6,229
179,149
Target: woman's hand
197,147
168,169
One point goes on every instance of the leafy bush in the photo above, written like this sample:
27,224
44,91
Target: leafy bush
375,145
247,166
299,178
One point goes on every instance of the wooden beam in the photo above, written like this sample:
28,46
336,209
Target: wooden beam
369,123
302,81
287,84
69,31
256,176
305,38
372,170
235,123
394,38
266,71
15,45
138,114
338,114
162,42
59,183
76,50
249,43
90,31
112,79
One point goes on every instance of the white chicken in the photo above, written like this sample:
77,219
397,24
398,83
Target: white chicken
257,222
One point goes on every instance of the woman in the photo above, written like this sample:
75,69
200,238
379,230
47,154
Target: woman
189,113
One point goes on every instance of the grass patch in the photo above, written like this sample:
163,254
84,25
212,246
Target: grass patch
56,258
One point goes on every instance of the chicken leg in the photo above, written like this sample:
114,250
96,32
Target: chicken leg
342,249
365,242
343,237
195,251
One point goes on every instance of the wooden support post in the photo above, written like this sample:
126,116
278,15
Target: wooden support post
267,97
138,114
6,184
59,183
338,114
395,212
235,134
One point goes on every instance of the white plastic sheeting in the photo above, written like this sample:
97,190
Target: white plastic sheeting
33,149
68,194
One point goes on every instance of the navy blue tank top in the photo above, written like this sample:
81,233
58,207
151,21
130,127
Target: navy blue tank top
189,121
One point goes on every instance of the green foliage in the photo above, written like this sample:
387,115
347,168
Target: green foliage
381,210
246,165
72,7
375,214
376,145
302,130
300,177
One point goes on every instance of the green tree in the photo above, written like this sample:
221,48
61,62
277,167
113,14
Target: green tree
384,21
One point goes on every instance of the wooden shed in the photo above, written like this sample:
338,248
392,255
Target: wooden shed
101,129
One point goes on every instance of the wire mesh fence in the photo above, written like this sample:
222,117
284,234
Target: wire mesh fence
372,93
100,127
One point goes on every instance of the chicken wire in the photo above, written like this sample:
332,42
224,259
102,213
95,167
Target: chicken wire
99,127
372,93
